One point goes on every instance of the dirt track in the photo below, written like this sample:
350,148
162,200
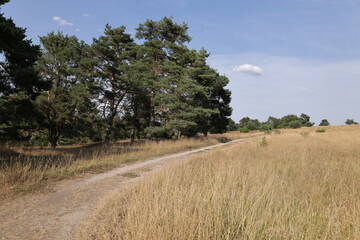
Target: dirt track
57,213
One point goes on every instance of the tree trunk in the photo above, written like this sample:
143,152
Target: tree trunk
53,136
132,134
109,129
151,124
178,135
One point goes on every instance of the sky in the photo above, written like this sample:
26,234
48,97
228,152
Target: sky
281,56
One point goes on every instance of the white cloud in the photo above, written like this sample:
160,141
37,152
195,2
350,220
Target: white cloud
320,88
248,68
86,15
77,30
61,21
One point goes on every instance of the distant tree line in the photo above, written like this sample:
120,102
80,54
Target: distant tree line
247,124
69,91
288,121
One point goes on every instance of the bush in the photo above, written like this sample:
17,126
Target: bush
244,130
295,124
351,122
39,139
324,122
266,127
320,130
305,134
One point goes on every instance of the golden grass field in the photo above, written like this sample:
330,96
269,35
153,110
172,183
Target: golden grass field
299,184
31,169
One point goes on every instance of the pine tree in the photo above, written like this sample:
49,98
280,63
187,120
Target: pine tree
169,89
111,54
19,82
65,104
216,99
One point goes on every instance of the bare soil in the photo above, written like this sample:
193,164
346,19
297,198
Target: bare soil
56,213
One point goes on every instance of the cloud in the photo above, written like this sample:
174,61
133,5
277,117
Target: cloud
321,88
61,21
86,15
249,69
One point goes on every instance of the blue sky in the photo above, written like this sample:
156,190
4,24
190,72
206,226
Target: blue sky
281,56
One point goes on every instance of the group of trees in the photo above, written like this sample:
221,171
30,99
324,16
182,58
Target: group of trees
288,121
111,89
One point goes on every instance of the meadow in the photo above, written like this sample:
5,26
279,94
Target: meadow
26,170
299,184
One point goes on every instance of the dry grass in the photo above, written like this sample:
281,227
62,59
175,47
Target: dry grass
292,187
24,170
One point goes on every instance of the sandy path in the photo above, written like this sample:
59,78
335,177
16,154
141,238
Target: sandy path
56,214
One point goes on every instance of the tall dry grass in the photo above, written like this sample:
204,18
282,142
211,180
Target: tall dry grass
287,186
25,170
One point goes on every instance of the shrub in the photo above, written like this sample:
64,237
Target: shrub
266,127
351,122
295,124
320,130
304,134
324,122
244,130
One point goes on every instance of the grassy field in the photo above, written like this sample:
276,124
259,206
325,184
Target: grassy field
30,169
300,184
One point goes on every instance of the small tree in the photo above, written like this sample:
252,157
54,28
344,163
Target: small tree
351,122
305,120
324,122
232,126
295,124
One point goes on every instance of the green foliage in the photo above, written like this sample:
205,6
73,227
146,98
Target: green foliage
184,94
351,122
292,121
321,130
305,120
251,124
324,122
305,134
232,126
111,90
110,56
266,127
244,130
274,122
294,124
67,103
19,82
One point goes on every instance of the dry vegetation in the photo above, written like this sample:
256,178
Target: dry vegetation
24,170
286,186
